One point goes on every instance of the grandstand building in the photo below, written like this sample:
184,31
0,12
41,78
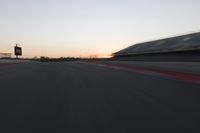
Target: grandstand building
180,48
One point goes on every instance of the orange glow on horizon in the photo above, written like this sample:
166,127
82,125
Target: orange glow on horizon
96,56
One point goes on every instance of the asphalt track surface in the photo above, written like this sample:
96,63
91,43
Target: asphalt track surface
97,97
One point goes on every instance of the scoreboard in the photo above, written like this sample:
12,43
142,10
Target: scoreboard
18,51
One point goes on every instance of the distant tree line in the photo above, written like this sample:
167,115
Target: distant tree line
47,59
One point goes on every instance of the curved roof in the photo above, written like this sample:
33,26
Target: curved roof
180,43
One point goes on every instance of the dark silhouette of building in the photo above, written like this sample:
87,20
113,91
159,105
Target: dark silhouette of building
180,48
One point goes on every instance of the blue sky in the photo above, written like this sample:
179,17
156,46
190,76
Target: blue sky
57,28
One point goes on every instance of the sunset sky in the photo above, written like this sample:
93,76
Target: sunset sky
58,28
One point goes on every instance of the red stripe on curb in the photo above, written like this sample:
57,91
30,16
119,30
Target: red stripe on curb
188,77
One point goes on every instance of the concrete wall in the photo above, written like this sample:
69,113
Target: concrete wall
189,56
